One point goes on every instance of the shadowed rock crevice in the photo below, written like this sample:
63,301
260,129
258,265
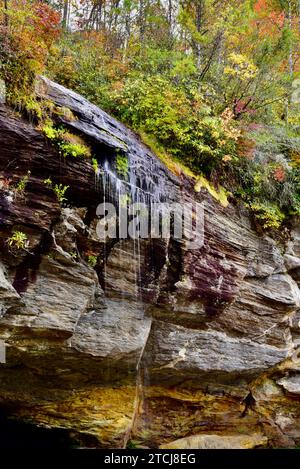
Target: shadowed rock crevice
249,403
26,272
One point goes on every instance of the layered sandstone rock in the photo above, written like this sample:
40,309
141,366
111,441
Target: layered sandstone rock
156,344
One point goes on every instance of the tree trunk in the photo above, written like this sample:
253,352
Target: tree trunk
142,20
290,20
6,22
66,14
199,23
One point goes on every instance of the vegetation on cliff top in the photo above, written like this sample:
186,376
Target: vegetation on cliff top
212,85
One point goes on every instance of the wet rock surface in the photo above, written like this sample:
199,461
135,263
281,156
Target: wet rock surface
151,343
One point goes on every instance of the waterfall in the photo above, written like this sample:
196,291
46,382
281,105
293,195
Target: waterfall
124,258
121,192
104,244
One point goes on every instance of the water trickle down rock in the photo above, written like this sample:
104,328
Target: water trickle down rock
205,327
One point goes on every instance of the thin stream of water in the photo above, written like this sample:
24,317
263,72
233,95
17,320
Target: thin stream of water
121,193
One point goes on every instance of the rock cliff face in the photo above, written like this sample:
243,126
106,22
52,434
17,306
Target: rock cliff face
156,345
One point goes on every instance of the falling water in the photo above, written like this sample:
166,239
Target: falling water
97,179
119,192
104,245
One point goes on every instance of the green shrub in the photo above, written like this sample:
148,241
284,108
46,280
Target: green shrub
95,165
122,165
18,240
77,150
33,108
268,215
268,180
58,189
184,125
67,143
50,132
21,185
92,261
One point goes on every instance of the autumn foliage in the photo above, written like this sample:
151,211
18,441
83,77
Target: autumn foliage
27,32
206,83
